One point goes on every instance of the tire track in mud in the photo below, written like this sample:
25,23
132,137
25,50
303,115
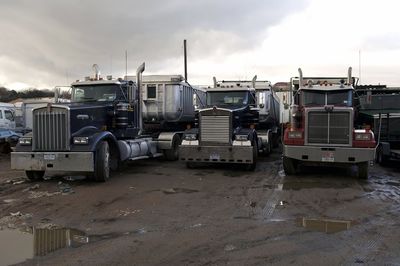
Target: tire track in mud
270,198
274,199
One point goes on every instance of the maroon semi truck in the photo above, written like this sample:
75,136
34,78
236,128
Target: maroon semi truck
322,126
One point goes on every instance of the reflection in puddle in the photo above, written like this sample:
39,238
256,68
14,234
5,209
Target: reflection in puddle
325,225
17,245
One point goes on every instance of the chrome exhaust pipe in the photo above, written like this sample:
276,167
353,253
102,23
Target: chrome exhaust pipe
139,117
349,77
253,81
300,77
96,72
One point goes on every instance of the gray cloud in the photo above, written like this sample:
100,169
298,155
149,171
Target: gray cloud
49,40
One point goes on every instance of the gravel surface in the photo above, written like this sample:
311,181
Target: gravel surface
156,212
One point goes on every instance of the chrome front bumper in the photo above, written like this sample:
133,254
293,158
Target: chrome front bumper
53,161
216,154
329,154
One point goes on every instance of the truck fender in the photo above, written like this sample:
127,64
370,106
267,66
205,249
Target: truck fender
113,144
165,139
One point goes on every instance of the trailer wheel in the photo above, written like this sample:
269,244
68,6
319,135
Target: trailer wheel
102,162
289,166
363,170
173,153
34,175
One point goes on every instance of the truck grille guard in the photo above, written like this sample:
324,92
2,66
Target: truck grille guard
51,129
329,127
215,127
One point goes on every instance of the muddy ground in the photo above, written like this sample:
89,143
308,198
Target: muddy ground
160,213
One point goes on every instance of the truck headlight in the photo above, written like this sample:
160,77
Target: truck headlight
362,136
241,137
25,141
295,135
190,136
81,140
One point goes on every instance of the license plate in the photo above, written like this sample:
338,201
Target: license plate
49,157
214,156
328,157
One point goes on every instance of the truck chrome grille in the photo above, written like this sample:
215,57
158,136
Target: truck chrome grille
329,127
215,128
51,129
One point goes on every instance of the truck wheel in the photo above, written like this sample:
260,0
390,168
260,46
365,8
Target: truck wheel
173,153
190,165
289,166
252,167
5,148
102,162
363,170
34,175
380,158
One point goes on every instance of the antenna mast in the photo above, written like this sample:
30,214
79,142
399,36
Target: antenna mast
126,63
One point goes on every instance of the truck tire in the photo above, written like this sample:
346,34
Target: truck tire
34,175
173,153
5,148
380,158
252,167
363,170
289,166
102,162
190,165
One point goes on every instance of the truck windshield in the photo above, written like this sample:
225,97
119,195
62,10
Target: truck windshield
340,98
227,98
343,98
89,93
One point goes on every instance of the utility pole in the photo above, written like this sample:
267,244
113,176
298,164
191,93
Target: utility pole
185,58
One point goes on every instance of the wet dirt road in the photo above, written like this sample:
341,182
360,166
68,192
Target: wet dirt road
160,213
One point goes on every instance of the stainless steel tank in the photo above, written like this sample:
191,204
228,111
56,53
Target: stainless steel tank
168,99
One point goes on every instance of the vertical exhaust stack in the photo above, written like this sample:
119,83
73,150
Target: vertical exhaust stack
253,81
300,78
349,77
215,82
139,118
185,59
96,72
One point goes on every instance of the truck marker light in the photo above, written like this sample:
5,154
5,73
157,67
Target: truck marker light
81,140
25,141
362,136
295,135
190,136
241,137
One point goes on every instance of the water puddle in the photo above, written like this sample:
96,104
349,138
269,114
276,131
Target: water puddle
19,245
328,226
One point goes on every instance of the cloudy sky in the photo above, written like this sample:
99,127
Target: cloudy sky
45,43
